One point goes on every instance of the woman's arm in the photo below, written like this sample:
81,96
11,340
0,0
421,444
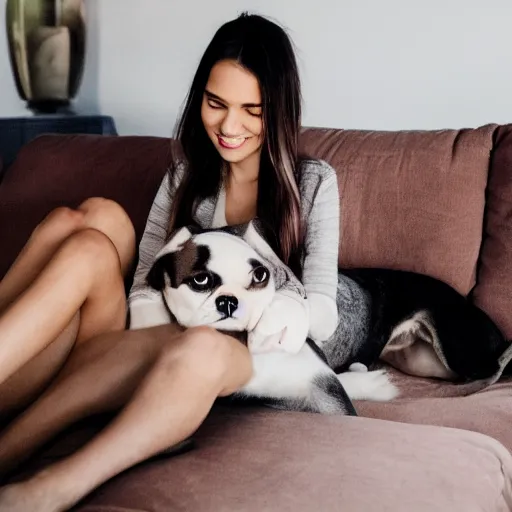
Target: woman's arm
290,318
321,214
145,303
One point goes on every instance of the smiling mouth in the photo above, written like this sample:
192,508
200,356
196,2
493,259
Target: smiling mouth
231,142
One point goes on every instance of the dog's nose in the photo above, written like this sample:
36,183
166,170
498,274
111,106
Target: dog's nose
226,304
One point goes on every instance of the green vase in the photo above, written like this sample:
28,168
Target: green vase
46,41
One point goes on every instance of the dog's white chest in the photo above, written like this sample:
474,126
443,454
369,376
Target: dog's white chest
283,375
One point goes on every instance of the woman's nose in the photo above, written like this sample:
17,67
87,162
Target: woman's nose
231,125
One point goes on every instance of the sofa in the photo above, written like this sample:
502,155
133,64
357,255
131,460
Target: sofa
436,202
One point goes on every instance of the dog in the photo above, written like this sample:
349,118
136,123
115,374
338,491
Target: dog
415,323
227,278
423,327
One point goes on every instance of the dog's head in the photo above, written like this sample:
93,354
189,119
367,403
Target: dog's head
212,277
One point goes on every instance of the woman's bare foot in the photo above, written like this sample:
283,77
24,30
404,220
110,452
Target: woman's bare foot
33,495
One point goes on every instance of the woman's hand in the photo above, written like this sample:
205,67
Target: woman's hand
283,325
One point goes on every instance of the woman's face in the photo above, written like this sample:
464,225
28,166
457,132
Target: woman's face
231,111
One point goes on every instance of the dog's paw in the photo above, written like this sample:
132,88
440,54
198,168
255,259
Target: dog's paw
375,385
283,326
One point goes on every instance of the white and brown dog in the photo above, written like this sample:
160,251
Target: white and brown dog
230,279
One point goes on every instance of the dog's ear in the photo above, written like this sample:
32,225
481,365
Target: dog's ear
165,259
176,240
254,235
164,265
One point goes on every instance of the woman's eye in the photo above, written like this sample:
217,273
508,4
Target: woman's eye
260,275
214,104
254,112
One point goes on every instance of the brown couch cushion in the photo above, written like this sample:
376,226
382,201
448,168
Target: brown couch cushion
434,402
64,170
262,460
411,200
494,290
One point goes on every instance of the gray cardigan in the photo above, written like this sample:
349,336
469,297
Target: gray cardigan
320,211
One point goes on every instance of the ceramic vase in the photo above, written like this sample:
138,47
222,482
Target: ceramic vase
46,41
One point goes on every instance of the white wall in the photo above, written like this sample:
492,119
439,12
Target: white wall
10,104
397,64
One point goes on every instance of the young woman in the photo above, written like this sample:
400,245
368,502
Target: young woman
63,301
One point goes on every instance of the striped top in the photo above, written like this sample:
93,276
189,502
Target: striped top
320,211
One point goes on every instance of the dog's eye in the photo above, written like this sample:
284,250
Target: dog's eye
260,275
201,282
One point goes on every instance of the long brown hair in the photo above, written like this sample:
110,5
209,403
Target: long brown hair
263,48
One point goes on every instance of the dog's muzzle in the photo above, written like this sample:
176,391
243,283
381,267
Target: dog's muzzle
227,305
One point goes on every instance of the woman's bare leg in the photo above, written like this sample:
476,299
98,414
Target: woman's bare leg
97,213
100,376
51,238
25,385
74,278
168,406
38,251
